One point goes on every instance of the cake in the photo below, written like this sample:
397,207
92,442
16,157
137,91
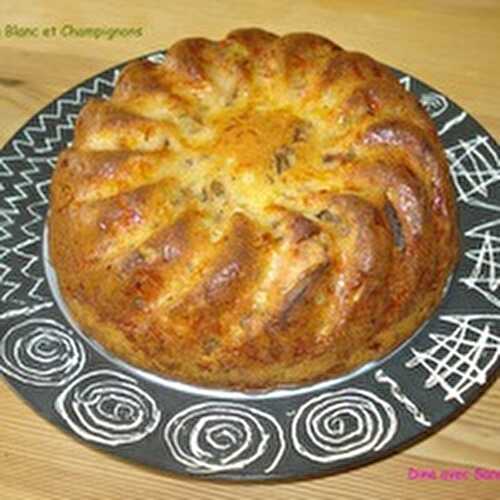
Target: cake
256,212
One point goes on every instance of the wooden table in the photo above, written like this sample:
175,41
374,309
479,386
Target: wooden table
453,45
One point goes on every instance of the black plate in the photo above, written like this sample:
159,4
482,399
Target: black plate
324,427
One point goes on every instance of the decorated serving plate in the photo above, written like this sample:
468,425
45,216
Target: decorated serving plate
284,433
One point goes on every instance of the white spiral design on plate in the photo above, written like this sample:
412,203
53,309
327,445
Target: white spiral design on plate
218,437
343,424
435,104
41,352
108,407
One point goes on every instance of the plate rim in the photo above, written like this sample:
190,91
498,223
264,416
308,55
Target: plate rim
472,395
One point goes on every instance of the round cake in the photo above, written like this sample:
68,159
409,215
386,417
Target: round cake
254,212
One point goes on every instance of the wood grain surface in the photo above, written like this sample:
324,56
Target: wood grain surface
451,44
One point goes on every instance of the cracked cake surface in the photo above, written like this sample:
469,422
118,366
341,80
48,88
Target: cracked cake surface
253,212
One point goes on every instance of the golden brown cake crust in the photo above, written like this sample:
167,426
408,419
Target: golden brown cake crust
253,212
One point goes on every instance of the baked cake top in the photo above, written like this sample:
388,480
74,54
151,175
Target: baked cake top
252,212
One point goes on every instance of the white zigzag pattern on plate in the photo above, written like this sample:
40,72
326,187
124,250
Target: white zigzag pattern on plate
27,256
8,214
459,360
100,86
24,150
22,249
69,124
